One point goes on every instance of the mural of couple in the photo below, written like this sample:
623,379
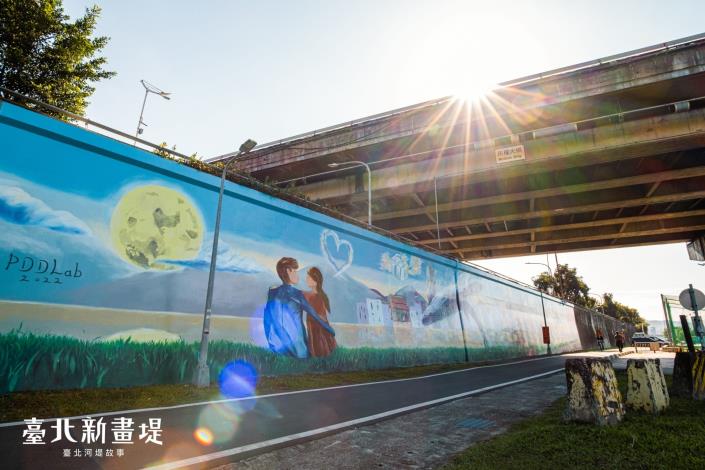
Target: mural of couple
283,315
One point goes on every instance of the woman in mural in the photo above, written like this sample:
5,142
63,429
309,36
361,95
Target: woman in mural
320,342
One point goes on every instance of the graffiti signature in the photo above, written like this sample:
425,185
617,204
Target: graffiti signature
41,270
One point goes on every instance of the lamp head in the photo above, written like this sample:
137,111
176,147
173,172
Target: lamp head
333,165
247,145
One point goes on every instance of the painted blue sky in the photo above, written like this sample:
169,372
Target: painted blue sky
71,221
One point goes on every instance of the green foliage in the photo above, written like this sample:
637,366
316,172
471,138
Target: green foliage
670,440
622,312
35,362
566,284
47,57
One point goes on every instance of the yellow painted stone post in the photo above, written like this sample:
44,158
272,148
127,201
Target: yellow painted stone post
593,395
699,377
646,387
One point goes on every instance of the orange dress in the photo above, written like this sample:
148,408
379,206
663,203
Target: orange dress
320,342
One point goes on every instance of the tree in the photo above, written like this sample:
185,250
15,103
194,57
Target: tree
622,312
47,57
566,284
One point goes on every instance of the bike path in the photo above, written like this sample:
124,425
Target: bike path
262,423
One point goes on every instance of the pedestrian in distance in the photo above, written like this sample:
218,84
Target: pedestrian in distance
619,339
600,339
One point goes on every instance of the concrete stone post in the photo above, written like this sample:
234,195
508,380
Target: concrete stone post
646,386
593,395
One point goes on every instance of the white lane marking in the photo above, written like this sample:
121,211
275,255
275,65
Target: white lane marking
255,397
334,427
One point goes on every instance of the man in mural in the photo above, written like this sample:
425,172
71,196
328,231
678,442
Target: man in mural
283,314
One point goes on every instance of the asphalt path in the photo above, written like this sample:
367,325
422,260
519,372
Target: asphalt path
245,427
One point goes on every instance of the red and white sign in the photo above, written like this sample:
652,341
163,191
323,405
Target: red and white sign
509,154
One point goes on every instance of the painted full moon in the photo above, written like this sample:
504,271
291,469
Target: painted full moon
153,223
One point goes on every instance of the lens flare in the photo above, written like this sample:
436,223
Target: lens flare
238,379
204,436
220,421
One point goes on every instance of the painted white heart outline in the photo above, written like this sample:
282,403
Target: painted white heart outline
335,264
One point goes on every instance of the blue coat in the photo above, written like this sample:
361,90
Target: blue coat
283,321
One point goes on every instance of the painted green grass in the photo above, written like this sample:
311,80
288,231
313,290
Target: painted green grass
41,362
672,440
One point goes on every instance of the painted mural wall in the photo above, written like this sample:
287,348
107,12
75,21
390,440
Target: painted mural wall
104,266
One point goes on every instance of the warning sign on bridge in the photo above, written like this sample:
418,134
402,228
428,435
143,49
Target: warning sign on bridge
509,154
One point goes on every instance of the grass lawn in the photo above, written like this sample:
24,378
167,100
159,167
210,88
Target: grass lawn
49,404
672,440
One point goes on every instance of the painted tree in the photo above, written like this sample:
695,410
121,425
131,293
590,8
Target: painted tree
45,56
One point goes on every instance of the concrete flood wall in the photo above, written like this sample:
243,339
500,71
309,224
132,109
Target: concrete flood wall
104,266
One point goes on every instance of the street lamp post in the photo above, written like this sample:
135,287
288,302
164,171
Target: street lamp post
544,264
148,88
543,307
202,376
550,271
369,183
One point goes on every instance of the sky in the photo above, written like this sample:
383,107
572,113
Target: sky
272,69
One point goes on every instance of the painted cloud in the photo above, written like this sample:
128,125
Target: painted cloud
19,207
229,260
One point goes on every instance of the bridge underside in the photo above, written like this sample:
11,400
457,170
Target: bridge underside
614,156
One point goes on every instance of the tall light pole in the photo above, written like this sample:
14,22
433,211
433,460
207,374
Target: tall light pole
369,183
202,375
600,302
148,88
544,264
551,273
543,307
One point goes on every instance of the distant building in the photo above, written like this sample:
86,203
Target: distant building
362,316
416,315
372,312
398,308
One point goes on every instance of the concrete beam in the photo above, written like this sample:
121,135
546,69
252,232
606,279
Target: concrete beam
651,136
656,178
622,243
558,211
561,241
580,225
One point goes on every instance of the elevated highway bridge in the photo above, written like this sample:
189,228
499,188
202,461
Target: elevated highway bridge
608,153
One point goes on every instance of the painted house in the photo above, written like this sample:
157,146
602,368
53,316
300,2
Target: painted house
398,308
416,315
372,312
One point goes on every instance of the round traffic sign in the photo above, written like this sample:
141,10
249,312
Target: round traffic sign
686,301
